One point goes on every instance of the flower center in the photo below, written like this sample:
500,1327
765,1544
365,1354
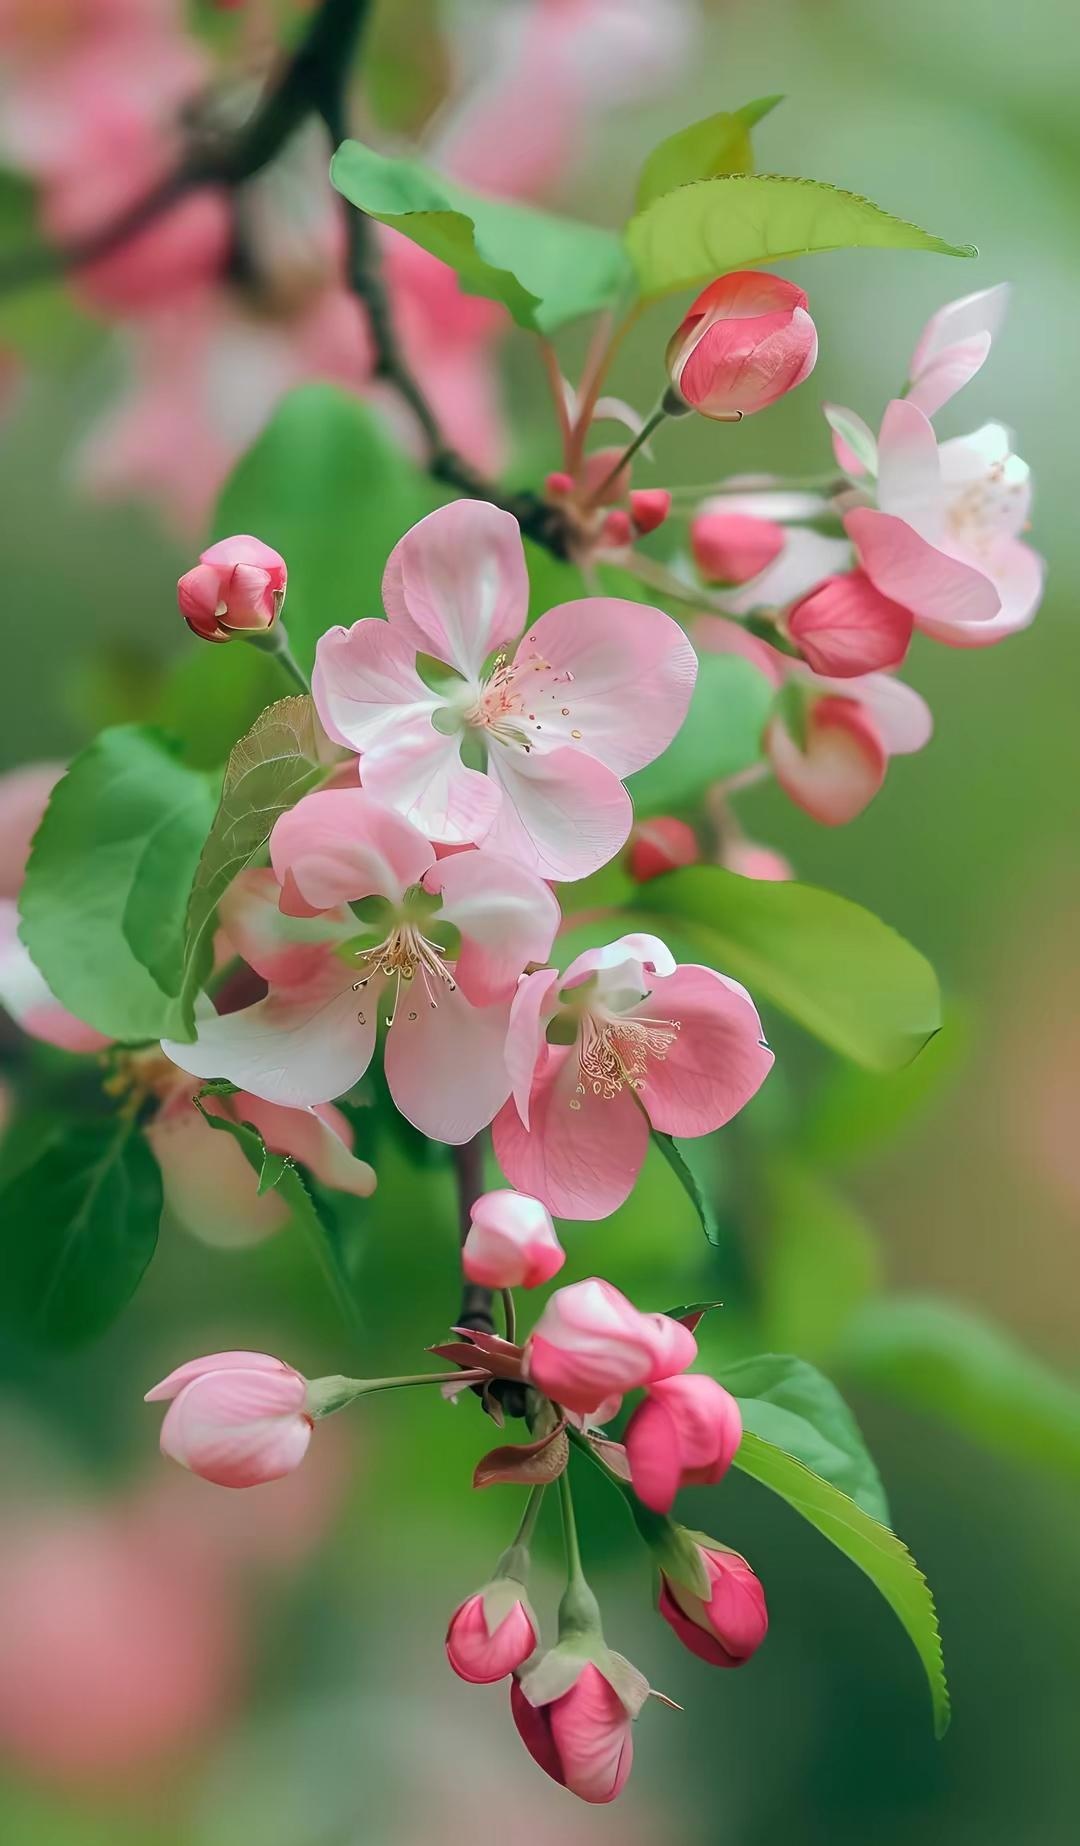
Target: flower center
405,952
613,1052
985,509
511,701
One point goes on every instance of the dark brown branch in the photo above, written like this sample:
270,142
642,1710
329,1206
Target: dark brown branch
476,1303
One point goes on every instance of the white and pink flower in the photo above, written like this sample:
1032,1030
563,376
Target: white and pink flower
593,691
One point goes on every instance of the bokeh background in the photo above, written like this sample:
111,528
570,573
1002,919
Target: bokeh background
282,1656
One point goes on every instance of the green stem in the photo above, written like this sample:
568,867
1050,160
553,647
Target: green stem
574,1572
651,422
524,1533
325,1395
275,642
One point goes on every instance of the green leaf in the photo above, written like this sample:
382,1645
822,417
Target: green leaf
676,1160
873,1547
851,1113
545,270
326,486
720,735
820,1262
77,1229
842,973
211,695
108,878
703,230
937,1357
281,758
797,1409
719,144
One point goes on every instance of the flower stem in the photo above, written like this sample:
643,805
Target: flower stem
574,1572
651,422
509,1314
325,1395
275,641
523,1535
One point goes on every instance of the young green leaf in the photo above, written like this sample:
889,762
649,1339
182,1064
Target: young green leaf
107,883
78,1227
545,270
797,1409
720,735
281,758
820,1259
872,1546
714,225
837,969
676,1160
326,486
719,144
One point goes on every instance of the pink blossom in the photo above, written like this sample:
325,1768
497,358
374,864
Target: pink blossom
684,1434
661,845
485,1644
752,860
511,1242
596,689
953,346
844,626
235,1418
581,1739
731,1626
237,586
649,507
745,341
943,539
623,1041
591,1343
313,1036
734,547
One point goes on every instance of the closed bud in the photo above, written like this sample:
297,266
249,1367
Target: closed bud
492,1633
684,1434
649,507
237,587
590,1343
734,547
617,532
511,1242
746,340
845,627
574,1710
235,1418
728,1626
661,845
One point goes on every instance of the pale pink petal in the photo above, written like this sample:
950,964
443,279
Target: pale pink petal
842,767
24,796
909,470
614,678
231,1428
714,634
563,815
366,687
287,951
420,772
341,845
904,567
319,1138
446,1064
534,1003
988,485
854,442
459,579
27,996
900,715
185,1374
948,373
210,1188
298,1047
967,318
717,1060
1018,574
630,962
506,915
582,1153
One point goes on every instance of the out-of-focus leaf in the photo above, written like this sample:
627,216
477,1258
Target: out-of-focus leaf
326,486
850,1113
719,144
720,735
820,1260
77,1229
545,270
704,229
872,1546
279,759
211,695
690,1184
837,969
939,1358
797,1409
106,887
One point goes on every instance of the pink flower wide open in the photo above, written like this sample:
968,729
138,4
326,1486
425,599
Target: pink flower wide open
591,1345
625,1041
593,691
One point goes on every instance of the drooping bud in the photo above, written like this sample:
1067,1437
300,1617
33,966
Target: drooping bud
728,1625
747,339
683,1434
238,586
591,1343
492,1633
662,844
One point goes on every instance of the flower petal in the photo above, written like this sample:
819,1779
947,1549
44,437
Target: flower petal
904,567
507,917
533,1005
27,996
445,1064
319,1138
842,767
909,470
366,687
284,950
339,845
581,1153
971,317
563,815
900,715
299,1046
948,373
210,1188
233,1426
717,1060
422,775
456,585
174,1383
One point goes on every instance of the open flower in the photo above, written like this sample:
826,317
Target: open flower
943,539
595,690
442,952
623,1041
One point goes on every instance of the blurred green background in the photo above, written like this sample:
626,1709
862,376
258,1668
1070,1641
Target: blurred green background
343,1725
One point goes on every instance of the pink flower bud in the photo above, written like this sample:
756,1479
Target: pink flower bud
511,1242
649,507
591,1343
845,627
558,485
236,1418
617,532
727,1629
237,585
753,861
734,547
746,340
481,1649
582,1740
661,845
683,1435
596,480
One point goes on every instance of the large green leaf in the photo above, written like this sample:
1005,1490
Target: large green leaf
851,1113
797,1409
720,735
282,756
107,883
78,1227
939,1358
873,1547
714,225
327,488
820,1260
545,270
842,973
719,144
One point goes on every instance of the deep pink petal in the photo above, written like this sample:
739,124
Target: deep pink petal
459,578
903,566
653,1454
534,1728
507,917
715,1063
581,1153
846,627
591,1730
340,845
563,815
446,1064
